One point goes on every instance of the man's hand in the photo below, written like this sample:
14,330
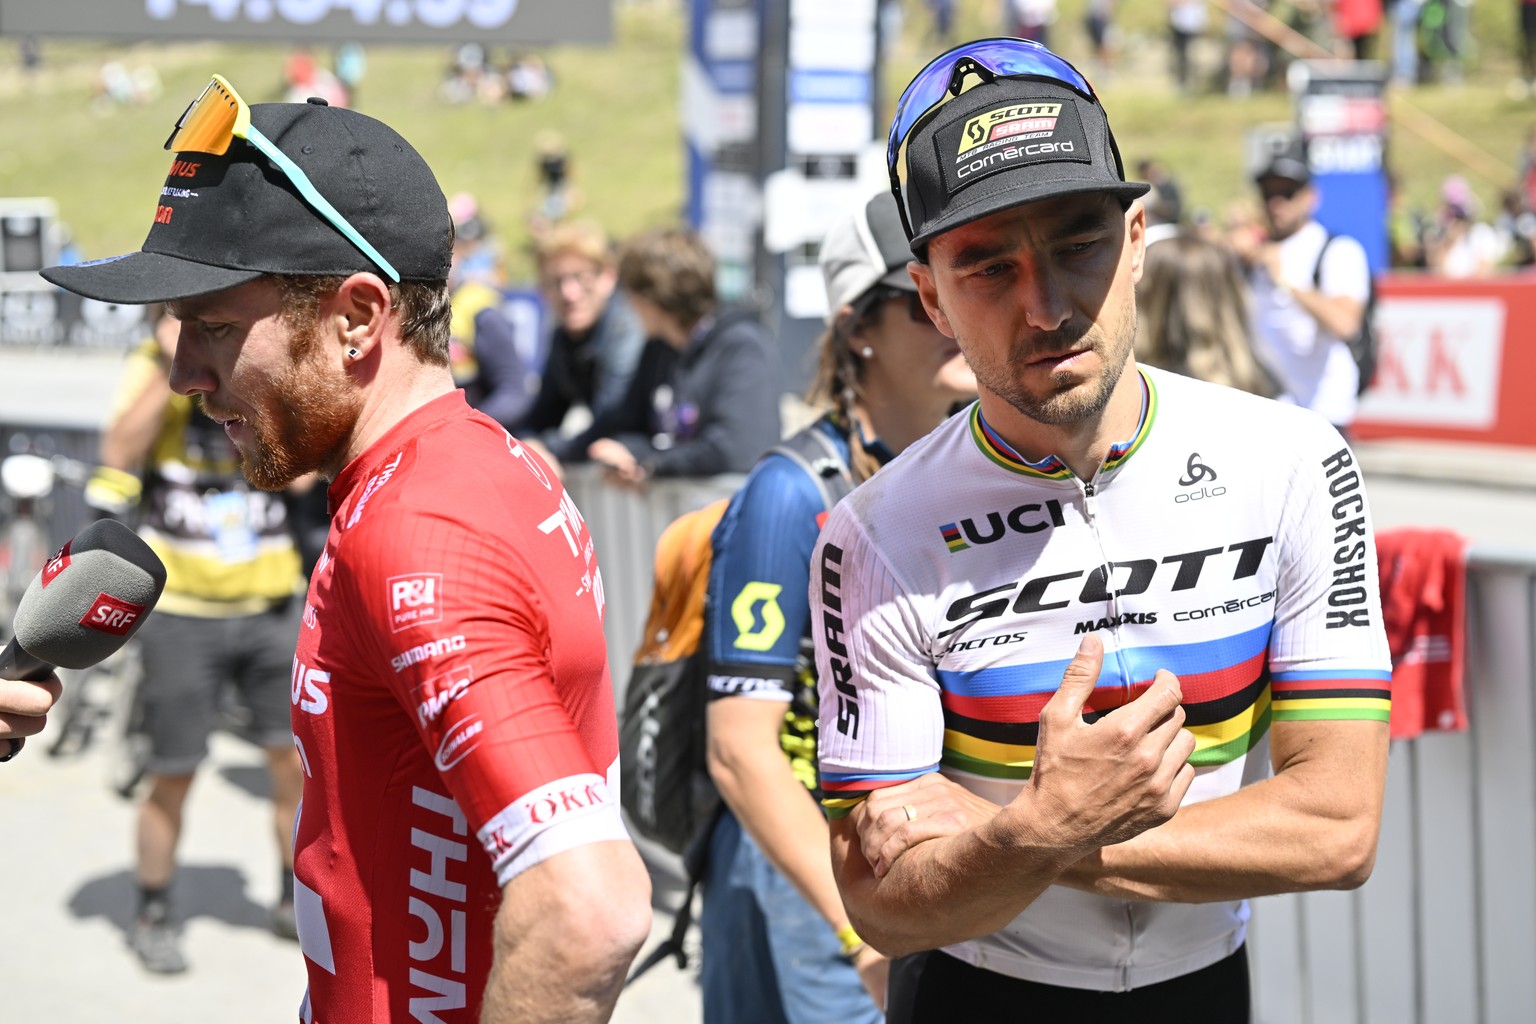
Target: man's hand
1081,764
24,710
893,820
1098,784
1268,257
619,461
1246,240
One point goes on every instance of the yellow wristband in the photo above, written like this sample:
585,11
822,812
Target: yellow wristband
850,940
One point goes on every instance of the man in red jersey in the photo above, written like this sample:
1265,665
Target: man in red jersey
450,687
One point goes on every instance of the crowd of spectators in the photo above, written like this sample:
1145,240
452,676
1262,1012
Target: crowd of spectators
1420,40
1459,238
1263,298
646,373
475,74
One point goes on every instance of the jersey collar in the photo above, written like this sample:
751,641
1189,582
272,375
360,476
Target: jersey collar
992,445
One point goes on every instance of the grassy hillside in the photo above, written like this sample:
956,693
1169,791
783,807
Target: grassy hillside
616,108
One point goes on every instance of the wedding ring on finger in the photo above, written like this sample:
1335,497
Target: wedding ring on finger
911,811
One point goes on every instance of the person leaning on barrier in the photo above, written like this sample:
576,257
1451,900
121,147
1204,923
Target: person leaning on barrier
450,687
704,399
1104,657
596,341
777,943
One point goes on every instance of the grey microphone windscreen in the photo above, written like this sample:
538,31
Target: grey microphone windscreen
93,595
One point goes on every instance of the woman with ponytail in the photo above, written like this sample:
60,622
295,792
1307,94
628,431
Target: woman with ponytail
778,946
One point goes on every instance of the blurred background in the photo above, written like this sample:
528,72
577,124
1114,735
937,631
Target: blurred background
755,122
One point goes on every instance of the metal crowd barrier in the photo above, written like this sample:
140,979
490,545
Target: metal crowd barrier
625,526
1445,930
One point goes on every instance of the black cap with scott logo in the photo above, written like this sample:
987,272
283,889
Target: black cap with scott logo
1004,143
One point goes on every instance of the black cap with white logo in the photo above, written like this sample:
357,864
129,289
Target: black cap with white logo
1005,143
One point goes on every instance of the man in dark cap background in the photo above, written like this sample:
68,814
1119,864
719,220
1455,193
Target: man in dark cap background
1103,657
1309,292
450,688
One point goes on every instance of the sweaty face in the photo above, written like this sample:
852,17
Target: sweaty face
1041,299
278,389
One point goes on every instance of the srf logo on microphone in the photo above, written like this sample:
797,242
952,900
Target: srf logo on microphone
113,615
413,599
57,564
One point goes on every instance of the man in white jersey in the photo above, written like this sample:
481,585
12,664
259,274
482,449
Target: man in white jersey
1103,657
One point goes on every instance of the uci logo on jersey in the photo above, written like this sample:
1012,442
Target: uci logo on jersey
1030,518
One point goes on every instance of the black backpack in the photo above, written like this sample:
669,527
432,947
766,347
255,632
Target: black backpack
664,783
1363,345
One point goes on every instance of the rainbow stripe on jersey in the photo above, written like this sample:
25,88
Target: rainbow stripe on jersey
991,444
992,715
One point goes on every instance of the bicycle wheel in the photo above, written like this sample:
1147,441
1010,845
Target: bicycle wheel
126,754
70,722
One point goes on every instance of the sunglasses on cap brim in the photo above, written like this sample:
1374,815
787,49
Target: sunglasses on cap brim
219,116
951,73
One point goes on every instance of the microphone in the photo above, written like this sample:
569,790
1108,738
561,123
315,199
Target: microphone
91,596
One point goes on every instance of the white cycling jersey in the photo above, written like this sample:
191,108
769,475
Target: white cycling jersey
1228,541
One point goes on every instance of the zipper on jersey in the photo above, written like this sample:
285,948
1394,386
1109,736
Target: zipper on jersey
1091,514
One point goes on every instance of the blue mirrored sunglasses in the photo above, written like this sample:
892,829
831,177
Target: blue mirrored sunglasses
944,78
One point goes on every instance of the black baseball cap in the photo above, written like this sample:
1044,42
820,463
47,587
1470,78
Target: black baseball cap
1290,165
1002,144
222,221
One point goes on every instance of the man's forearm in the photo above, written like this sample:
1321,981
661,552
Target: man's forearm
127,440
531,987
565,935
946,890
1336,314
1312,826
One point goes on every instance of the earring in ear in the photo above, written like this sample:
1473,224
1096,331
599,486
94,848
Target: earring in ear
353,353
867,352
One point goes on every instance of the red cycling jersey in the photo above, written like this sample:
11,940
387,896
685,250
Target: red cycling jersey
450,686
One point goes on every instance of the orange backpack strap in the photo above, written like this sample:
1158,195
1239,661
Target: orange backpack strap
675,622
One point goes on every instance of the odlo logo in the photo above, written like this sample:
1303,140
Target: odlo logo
413,599
1194,472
